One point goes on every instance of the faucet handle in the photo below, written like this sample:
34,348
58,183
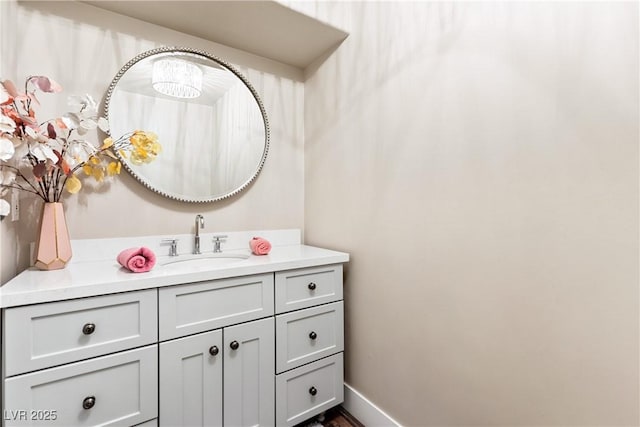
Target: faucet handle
216,242
173,250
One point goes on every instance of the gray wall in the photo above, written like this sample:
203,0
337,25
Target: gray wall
480,163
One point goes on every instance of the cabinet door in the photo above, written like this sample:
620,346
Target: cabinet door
249,381
191,380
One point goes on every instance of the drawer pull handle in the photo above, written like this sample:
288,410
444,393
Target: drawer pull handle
311,286
234,345
313,391
88,329
89,402
313,335
213,350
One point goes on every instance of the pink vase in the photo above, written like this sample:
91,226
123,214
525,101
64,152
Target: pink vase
53,247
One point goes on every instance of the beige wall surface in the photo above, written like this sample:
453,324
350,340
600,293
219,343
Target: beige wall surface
480,163
83,48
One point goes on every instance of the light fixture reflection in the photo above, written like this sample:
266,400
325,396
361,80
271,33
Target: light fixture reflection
177,78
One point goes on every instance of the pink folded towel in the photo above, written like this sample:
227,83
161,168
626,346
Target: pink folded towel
138,260
259,246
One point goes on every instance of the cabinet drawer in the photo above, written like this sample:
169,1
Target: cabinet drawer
199,307
306,287
306,335
123,386
44,335
309,390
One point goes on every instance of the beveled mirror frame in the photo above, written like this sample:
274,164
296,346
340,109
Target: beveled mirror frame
221,62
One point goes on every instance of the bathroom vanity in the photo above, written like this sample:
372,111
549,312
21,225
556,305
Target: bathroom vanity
242,340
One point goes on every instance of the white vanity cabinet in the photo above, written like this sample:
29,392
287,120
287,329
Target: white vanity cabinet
82,362
191,380
259,348
44,335
309,342
198,307
248,374
118,389
204,376
225,371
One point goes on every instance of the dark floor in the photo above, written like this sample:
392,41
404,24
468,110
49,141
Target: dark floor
336,417
339,417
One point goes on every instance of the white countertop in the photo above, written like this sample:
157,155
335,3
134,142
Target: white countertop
100,277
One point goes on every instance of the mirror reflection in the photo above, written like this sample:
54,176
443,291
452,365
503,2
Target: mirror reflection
208,118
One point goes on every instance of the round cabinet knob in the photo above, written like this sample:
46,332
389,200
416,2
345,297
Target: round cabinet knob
89,402
313,391
213,350
311,286
234,345
313,335
88,328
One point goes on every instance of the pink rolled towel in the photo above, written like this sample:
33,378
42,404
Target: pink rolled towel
259,246
138,260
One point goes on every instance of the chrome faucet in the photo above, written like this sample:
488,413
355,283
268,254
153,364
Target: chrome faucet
199,225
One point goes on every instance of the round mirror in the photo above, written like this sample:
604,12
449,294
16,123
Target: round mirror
209,120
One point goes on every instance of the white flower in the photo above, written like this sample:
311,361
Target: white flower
44,152
85,103
6,149
7,176
87,125
103,124
5,207
31,133
6,124
22,148
4,95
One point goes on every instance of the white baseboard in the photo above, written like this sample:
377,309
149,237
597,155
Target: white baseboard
364,410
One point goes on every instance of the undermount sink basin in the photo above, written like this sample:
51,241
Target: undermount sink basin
204,260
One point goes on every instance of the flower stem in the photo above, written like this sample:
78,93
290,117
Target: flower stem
24,178
21,188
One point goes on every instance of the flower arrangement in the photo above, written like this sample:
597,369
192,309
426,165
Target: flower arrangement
45,158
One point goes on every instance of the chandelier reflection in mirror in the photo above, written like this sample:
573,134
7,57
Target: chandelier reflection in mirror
177,78
214,145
